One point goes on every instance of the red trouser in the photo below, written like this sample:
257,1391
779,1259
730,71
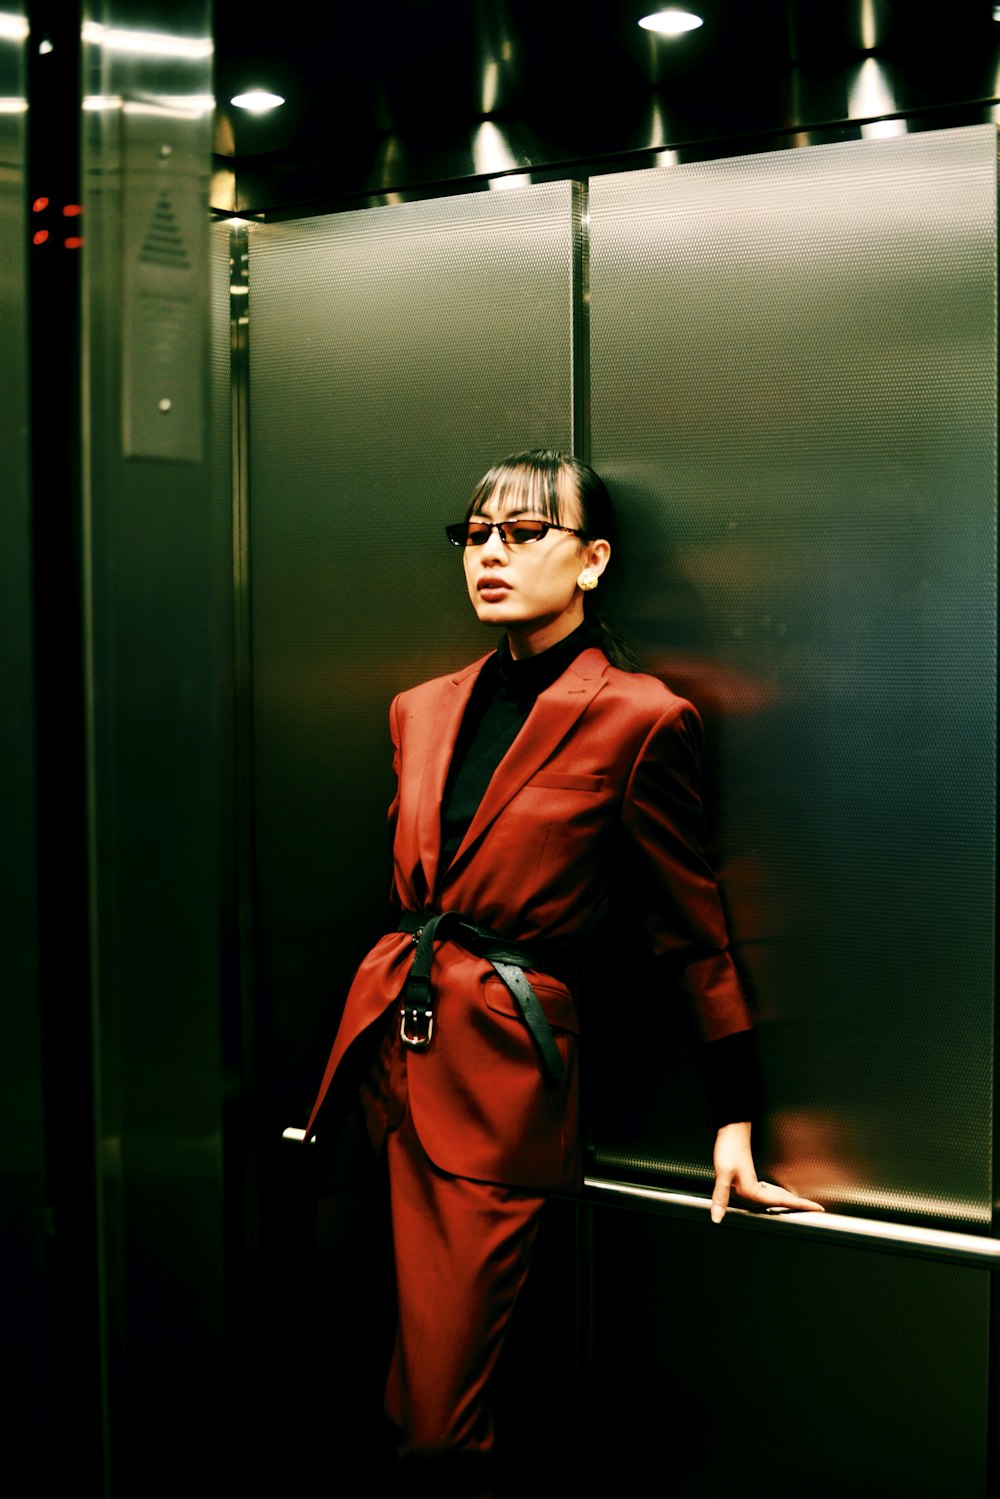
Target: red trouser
462,1251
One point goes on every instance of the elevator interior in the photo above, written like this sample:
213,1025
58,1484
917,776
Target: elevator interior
788,402
784,362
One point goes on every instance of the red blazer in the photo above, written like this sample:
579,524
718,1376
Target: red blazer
604,755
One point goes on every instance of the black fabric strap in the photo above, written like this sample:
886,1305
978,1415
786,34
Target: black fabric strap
508,959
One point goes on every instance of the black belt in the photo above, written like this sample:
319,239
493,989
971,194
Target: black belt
416,1013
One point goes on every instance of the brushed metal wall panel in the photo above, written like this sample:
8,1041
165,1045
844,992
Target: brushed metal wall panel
794,397
394,354
156,676
759,1365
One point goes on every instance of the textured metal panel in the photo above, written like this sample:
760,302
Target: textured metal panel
394,354
23,1388
793,384
768,1369
157,667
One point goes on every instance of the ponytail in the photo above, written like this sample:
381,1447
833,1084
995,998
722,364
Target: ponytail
614,646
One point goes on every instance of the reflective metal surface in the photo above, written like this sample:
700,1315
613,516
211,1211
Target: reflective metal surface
394,354
156,567
838,1228
391,360
794,397
767,1365
25,1380
792,378
73,1412
227,267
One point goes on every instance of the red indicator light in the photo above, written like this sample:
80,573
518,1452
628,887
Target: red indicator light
40,237
39,204
73,242
71,210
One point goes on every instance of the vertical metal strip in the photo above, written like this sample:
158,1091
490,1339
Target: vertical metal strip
993,1401
75,1162
26,1381
107,1165
580,427
580,317
242,1136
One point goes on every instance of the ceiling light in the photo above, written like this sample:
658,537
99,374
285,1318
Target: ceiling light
257,100
671,22
491,150
13,28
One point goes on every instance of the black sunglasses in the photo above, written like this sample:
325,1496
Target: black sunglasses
518,533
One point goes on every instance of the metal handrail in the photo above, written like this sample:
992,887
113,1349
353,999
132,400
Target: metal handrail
869,1233
831,1228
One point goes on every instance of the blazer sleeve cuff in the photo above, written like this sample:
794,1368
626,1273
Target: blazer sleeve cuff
733,1079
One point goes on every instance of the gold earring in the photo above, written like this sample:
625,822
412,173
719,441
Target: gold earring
587,579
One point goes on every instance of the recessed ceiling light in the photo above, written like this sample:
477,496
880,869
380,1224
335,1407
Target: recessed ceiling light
671,22
13,28
257,100
996,12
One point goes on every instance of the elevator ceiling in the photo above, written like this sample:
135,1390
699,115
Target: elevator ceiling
410,94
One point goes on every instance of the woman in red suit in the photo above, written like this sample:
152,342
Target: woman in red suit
522,781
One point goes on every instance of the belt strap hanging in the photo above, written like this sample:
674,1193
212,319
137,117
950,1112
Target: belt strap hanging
508,960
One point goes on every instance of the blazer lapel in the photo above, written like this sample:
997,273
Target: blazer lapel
554,713
439,732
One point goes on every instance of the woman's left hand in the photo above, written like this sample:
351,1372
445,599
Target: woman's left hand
734,1171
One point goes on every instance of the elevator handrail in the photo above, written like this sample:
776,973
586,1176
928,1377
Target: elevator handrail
869,1233
831,1228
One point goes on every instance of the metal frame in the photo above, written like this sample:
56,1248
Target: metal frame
245,1148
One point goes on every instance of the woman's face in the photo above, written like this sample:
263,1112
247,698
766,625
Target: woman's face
531,590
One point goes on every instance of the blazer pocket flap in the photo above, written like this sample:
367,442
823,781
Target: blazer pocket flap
558,780
556,1002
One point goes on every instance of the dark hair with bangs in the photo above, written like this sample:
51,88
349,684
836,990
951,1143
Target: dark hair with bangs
537,480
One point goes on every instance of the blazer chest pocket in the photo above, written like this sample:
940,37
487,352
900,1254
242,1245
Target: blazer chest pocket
558,780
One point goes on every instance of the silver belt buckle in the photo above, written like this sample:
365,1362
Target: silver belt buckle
416,1040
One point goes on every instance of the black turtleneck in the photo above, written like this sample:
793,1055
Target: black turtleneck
501,700
498,708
